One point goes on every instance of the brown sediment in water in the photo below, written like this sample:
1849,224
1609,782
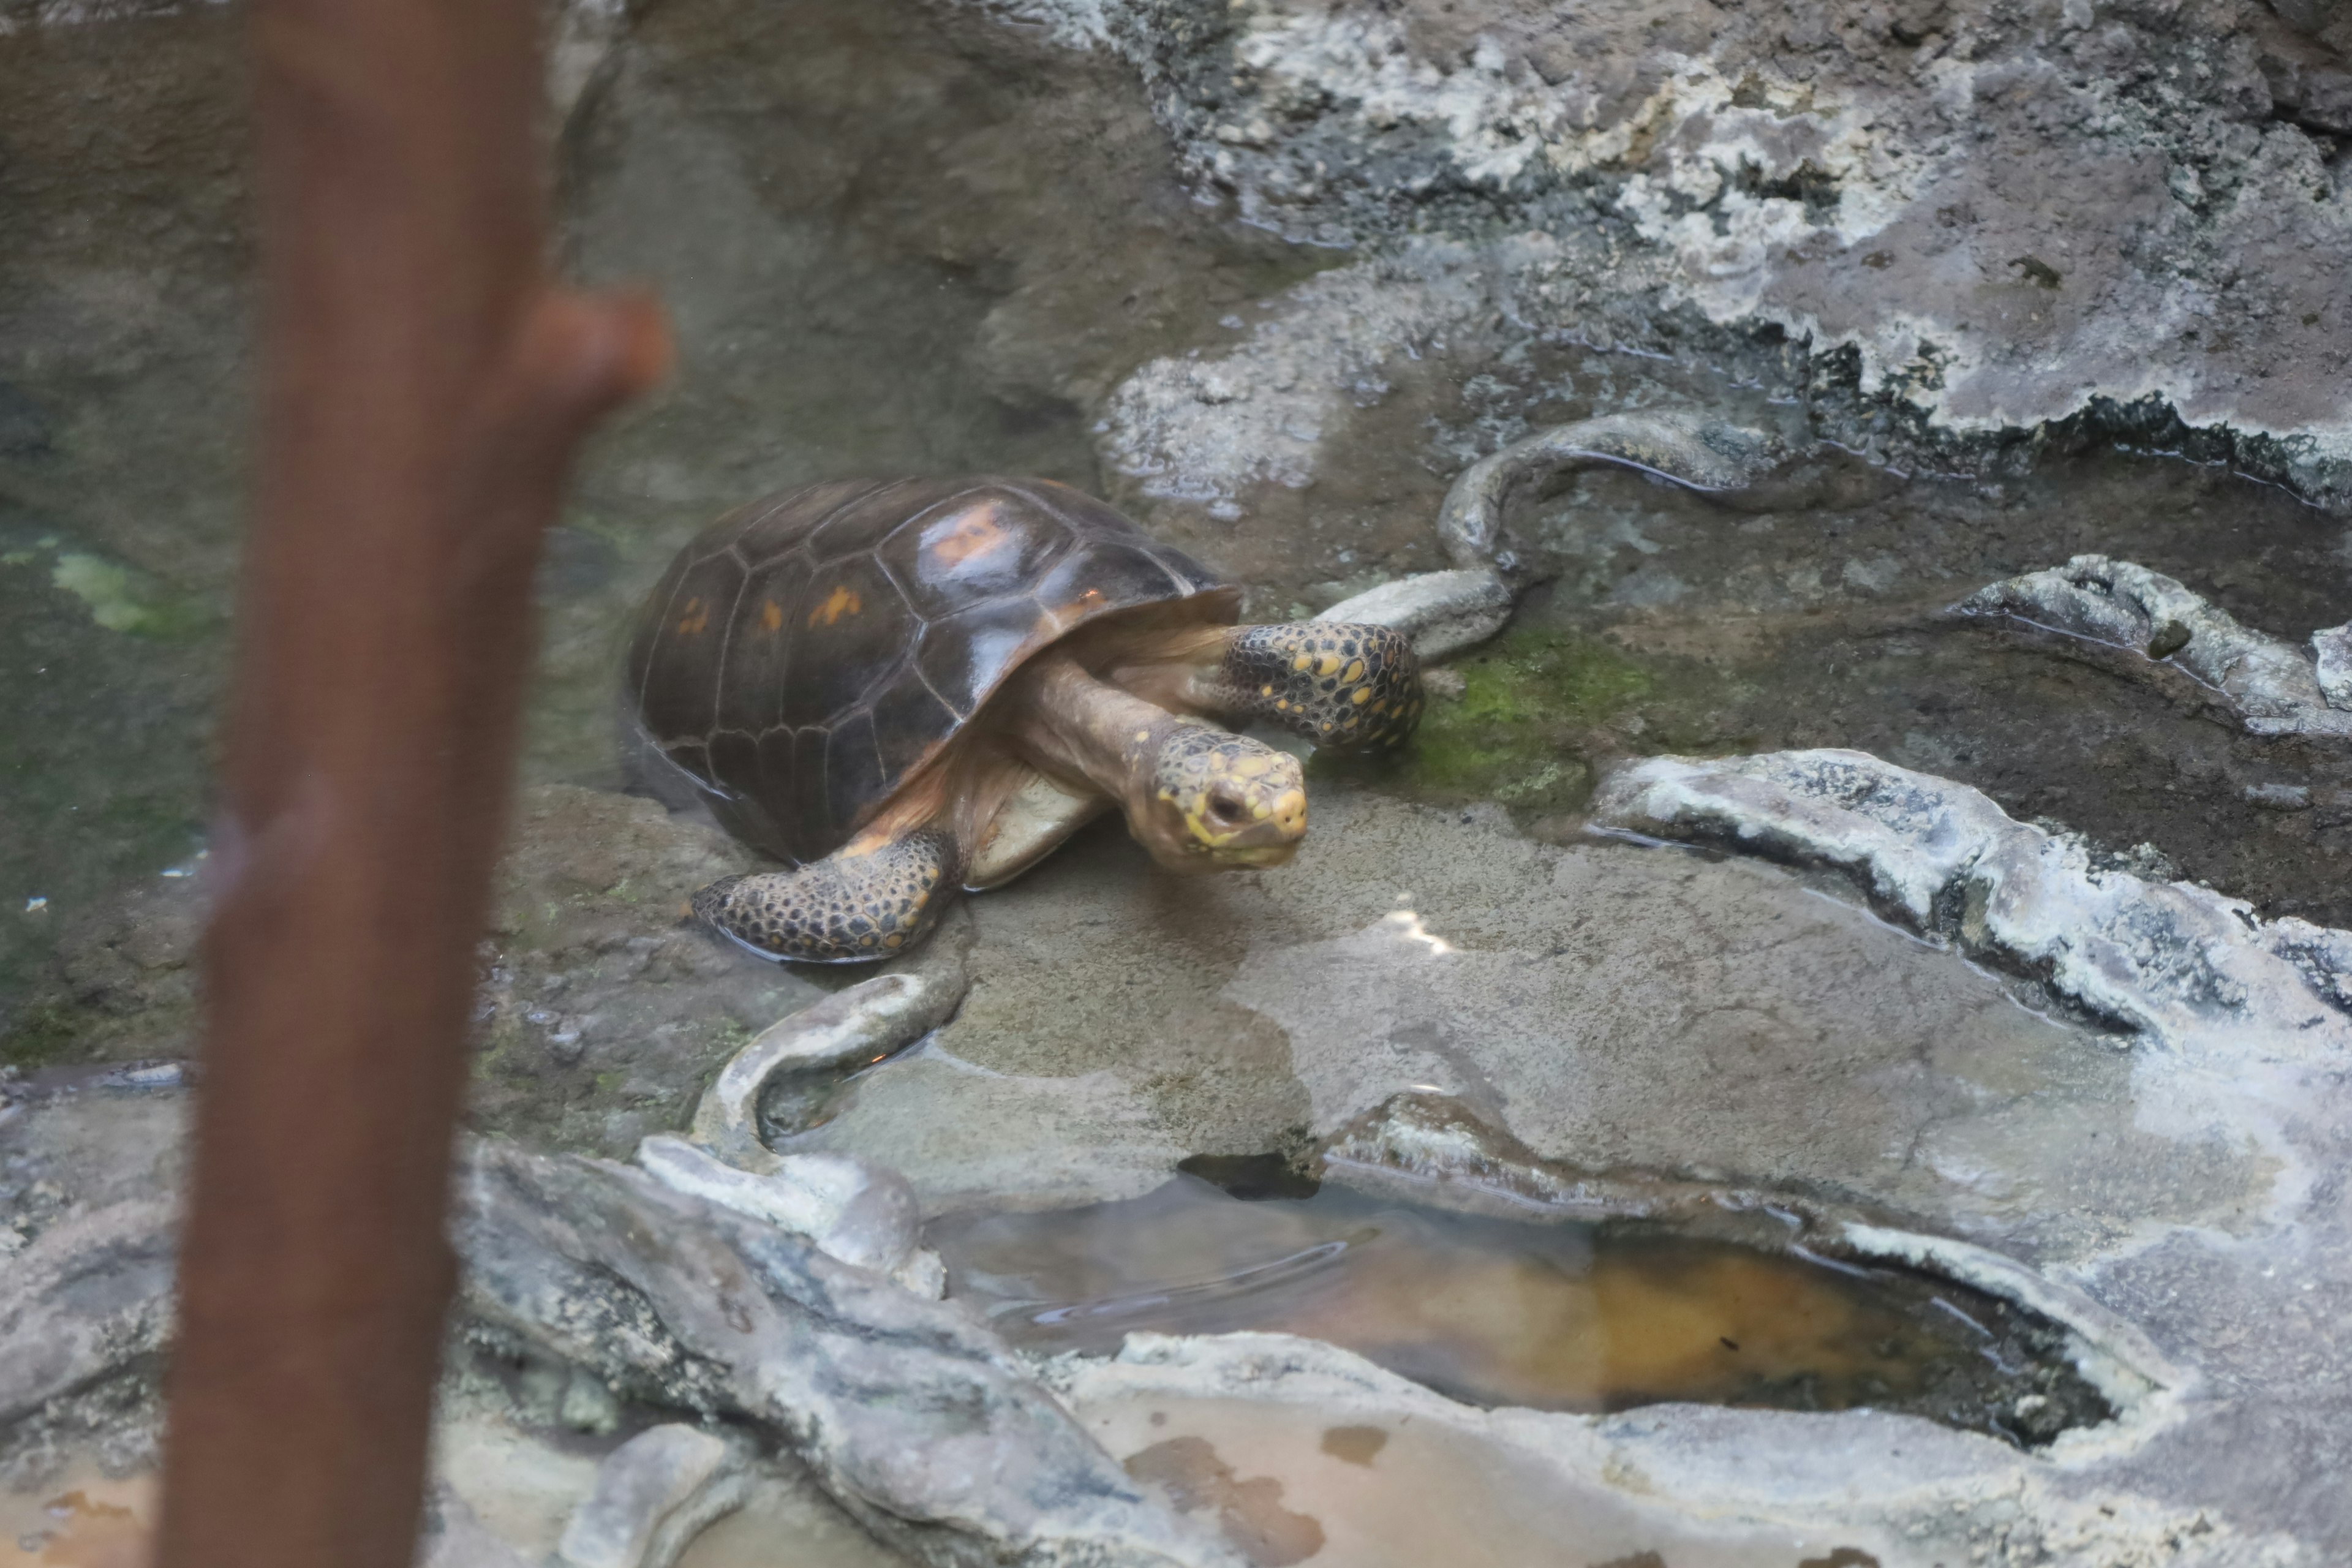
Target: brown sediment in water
1439,1494
1571,1316
1355,1445
1249,1511
90,1523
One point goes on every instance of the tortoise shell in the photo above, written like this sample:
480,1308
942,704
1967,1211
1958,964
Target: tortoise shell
808,654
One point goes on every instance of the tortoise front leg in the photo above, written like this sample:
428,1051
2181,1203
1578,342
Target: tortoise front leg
868,901
1340,684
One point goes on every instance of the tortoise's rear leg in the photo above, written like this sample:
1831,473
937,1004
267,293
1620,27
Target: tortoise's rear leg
1340,684
866,901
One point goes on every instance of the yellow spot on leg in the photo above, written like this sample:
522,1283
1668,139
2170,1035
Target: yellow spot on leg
1304,661
1363,695
1353,673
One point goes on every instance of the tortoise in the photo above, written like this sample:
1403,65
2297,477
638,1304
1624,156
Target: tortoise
904,688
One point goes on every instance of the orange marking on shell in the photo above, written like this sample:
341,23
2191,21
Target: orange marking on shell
976,532
772,616
842,601
697,616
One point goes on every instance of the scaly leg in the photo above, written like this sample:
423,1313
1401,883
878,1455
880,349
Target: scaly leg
866,901
1340,684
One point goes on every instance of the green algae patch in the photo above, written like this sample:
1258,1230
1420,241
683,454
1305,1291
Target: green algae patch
1532,714
1538,713
122,599
43,1036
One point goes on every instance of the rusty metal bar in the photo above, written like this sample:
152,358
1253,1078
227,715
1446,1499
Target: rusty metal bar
424,387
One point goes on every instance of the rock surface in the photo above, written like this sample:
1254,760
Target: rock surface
2241,1034
1916,229
849,1209
603,1009
2000,216
1614,1008
654,1495
2273,687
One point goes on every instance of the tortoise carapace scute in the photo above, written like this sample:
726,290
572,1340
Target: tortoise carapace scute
809,653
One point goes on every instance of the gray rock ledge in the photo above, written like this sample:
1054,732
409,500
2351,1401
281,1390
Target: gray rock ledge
2189,969
2273,687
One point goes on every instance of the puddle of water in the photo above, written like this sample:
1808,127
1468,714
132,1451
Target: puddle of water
1287,1484
1561,1316
792,1525
81,1520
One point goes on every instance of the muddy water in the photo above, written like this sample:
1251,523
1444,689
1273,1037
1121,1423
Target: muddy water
1289,1484
1552,1316
83,1519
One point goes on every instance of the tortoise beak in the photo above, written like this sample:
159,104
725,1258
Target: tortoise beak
1258,857
1267,840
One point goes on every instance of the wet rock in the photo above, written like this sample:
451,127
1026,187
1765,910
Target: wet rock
583,34
1682,447
581,37
2332,658
907,1411
851,1209
88,1175
1445,612
654,1495
2142,1122
2182,965
2240,1032
914,1417
1608,1007
773,1086
604,1007
2274,688
88,1301
451,1537
120,985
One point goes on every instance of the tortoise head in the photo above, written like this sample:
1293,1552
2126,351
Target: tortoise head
1216,801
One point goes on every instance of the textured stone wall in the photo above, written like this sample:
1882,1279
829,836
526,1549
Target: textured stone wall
1980,215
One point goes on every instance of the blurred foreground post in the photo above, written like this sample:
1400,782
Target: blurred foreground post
424,386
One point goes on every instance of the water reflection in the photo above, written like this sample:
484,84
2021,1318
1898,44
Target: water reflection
1552,1316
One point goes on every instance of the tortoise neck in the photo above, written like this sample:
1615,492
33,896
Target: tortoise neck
1084,732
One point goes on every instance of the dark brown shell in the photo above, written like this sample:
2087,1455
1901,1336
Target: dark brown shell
804,656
